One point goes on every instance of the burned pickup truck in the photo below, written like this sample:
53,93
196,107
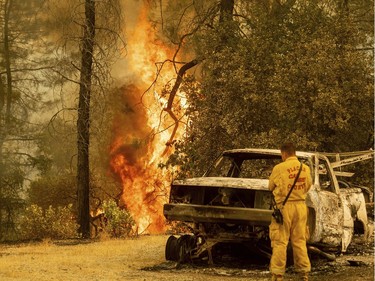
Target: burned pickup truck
231,203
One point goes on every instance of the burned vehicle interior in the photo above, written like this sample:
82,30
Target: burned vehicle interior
230,165
231,204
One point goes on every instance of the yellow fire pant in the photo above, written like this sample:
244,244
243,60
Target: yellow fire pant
295,229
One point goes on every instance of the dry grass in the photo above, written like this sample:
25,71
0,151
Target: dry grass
125,260
105,260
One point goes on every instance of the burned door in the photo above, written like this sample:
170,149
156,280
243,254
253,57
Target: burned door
330,204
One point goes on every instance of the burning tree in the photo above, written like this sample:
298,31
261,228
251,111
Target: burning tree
268,63
138,154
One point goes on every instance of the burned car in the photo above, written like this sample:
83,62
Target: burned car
231,203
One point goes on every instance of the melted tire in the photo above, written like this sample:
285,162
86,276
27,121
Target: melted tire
172,249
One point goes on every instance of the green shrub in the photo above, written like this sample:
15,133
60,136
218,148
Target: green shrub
54,223
119,222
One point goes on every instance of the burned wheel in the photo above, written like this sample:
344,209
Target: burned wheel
172,249
179,249
186,244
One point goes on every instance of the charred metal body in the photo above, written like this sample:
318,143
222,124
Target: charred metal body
231,203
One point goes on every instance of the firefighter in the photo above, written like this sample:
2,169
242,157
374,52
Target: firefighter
294,226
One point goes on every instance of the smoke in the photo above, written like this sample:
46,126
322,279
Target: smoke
130,129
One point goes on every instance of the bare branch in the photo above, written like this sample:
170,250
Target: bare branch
65,77
172,95
27,69
180,74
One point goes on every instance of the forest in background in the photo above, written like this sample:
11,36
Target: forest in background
253,73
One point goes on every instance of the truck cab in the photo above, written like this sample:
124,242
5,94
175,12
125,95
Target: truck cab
231,203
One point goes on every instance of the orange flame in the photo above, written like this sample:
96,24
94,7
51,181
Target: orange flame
136,150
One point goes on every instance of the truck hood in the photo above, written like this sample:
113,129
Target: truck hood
243,183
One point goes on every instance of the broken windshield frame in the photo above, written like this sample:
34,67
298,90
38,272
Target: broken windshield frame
244,166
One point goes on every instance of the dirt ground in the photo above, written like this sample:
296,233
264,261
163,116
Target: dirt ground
142,258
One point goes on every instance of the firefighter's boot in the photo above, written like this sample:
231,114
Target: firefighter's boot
304,276
277,277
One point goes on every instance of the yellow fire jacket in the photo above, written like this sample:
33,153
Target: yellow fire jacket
282,178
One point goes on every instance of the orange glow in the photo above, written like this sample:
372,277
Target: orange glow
140,131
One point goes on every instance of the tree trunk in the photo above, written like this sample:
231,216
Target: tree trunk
7,7
83,122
